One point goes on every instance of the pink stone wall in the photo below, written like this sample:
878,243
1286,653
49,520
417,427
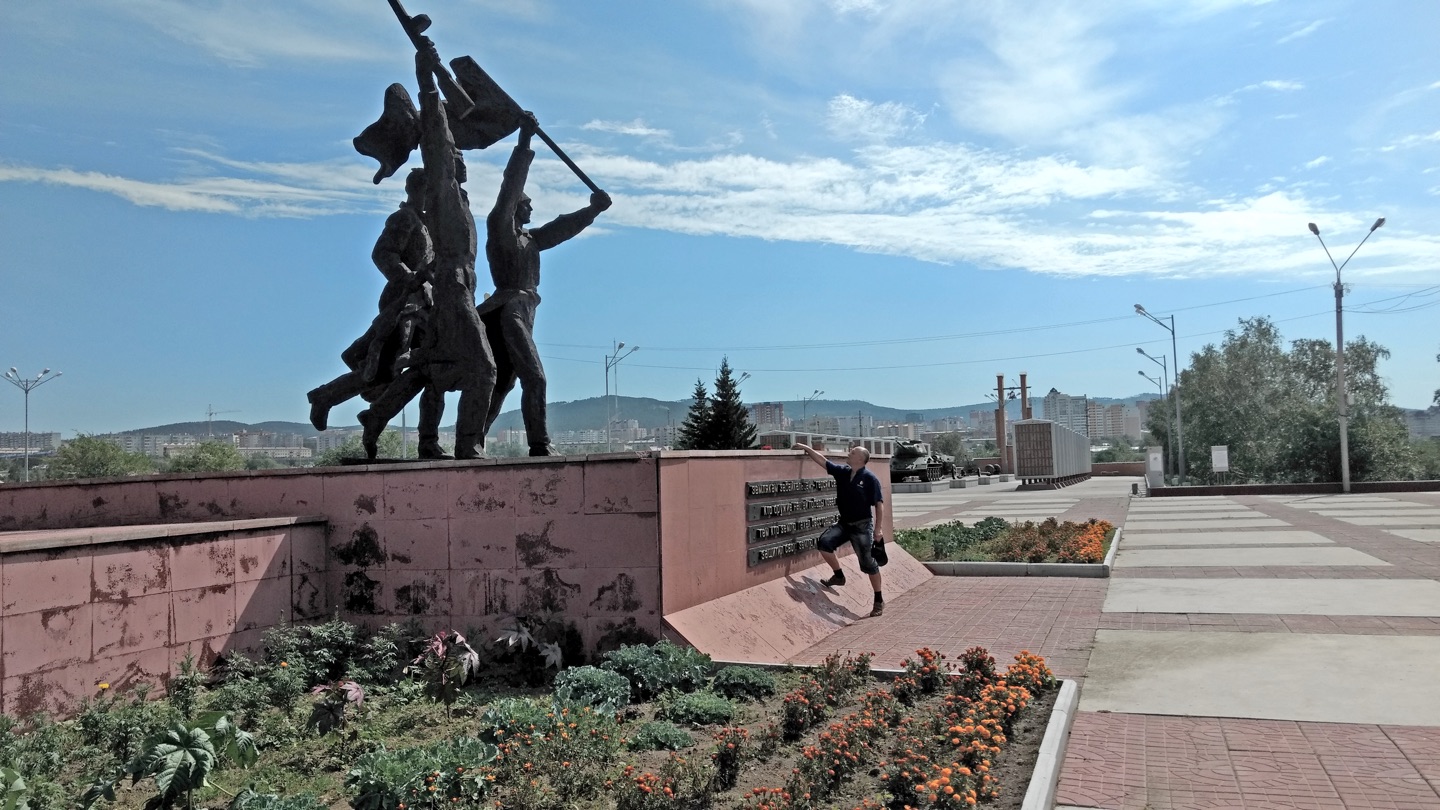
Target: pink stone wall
702,520
464,545
123,607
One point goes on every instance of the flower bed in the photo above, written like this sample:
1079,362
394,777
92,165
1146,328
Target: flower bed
342,717
995,540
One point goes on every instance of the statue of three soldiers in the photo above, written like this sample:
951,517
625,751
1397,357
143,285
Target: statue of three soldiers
429,337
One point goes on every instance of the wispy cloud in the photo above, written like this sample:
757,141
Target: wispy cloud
1302,32
1317,162
852,118
1412,141
1278,85
250,34
637,128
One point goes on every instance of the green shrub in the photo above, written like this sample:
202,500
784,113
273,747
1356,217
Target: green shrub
652,670
38,755
383,780
699,709
119,725
248,799
659,736
508,717
744,683
600,689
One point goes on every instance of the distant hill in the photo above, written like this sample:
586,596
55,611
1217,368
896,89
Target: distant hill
591,414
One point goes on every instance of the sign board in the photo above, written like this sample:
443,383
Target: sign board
1155,460
783,518
1220,458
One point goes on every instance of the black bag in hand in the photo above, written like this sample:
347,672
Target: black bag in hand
878,553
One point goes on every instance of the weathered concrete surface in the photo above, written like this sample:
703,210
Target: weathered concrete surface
1278,676
1244,556
1321,597
1258,537
1184,525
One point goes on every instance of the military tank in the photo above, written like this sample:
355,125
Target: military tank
913,459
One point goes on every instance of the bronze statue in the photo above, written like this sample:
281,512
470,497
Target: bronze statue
509,314
456,355
430,337
403,254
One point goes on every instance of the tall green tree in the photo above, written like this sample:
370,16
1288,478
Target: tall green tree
695,430
730,425
388,446
87,456
1275,409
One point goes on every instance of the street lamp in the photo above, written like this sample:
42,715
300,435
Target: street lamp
28,385
1163,362
805,408
611,361
1175,389
1343,405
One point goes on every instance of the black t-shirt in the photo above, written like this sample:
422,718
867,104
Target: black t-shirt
855,494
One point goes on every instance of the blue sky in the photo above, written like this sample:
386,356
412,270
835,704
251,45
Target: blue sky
882,199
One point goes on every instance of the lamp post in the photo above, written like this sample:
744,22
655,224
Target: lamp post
611,361
28,385
1163,362
1157,385
1175,389
805,408
1342,405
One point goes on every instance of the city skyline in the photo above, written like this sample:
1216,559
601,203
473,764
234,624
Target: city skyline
880,199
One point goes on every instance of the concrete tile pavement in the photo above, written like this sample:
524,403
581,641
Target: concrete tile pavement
1124,759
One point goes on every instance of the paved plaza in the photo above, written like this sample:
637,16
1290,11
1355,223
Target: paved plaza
1248,651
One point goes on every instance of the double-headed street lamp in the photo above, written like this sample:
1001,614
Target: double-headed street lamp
1343,406
28,385
611,361
805,407
1163,362
1175,389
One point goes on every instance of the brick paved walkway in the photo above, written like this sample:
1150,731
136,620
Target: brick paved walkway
1124,760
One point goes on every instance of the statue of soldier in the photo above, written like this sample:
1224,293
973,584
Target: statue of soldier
509,314
455,355
402,254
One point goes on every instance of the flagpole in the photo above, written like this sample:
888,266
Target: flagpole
560,153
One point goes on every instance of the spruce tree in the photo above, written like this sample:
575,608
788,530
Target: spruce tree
730,425
695,430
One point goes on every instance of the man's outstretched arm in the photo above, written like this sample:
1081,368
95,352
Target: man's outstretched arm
812,453
568,226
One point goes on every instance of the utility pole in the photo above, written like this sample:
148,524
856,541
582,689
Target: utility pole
1342,400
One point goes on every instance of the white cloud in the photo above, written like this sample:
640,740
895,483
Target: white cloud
637,128
868,8
1301,32
250,34
1278,85
854,118
1411,141
1317,162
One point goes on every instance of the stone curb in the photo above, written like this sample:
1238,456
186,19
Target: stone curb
1045,779
1016,569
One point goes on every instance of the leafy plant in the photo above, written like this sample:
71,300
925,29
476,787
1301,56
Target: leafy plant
17,795
119,725
447,662
328,712
183,691
518,636
656,668
442,774
509,717
248,799
659,736
680,783
601,689
732,748
744,683
180,759
699,709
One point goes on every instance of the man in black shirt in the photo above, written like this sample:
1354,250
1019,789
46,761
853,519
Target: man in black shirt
857,490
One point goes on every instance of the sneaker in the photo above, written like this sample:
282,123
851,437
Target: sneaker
878,610
836,580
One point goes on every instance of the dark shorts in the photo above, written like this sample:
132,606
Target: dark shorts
860,535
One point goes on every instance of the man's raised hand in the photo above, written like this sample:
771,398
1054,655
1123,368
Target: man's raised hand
528,123
600,201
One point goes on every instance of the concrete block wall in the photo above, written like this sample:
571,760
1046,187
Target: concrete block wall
121,606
